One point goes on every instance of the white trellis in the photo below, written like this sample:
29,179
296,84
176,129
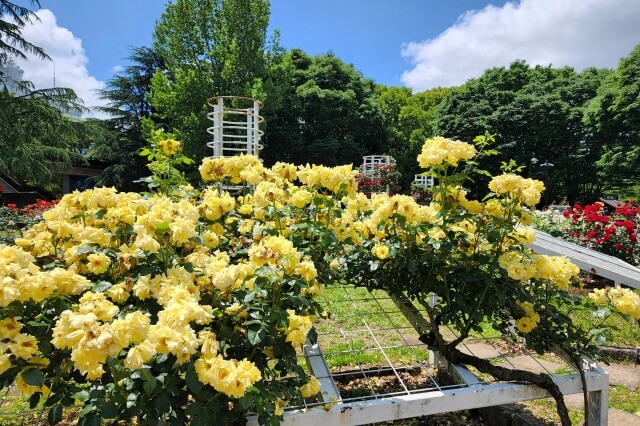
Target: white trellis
236,126
371,165
424,181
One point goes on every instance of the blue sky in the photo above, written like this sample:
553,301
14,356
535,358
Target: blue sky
414,43
367,33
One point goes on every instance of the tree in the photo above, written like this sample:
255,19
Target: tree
126,94
320,110
36,139
408,120
533,111
210,47
613,117
11,41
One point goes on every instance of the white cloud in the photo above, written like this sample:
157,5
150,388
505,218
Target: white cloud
68,55
577,33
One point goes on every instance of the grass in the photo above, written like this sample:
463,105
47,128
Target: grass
620,398
545,410
624,333
15,411
624,399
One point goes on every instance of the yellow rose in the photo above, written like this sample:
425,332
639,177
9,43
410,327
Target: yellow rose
311,388
380,251
98,263
169,146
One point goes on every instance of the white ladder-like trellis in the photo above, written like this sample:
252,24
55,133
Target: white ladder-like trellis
371,165
236,126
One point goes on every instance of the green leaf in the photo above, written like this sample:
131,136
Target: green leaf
55,414
85,249
101,286
81,396
87,409
34,400
194,409
162,228
33,377
149,385
200,420
92,419
99,214
109,410
162,403
256,336
193,383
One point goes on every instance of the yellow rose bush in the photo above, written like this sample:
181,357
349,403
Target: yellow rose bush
162,306
191,306
473,255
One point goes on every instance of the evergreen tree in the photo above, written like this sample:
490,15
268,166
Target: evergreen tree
126,94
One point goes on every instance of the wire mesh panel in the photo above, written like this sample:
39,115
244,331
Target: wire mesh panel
236,126
373,366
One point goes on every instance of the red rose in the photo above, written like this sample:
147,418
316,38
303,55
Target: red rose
566,213
606,237
629,249
618,246
591,234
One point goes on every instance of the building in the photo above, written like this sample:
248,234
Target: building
11,76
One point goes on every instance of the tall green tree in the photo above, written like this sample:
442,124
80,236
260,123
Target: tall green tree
408,121
534,112
36,138
210,47
126,94
613,117
320,110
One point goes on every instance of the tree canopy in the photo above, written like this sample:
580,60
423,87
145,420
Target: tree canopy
613,117
210,48
535,112
36,138
127,106
320,110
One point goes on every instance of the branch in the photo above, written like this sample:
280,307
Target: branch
542,380
454,356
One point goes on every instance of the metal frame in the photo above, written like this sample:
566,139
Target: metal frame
352,335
